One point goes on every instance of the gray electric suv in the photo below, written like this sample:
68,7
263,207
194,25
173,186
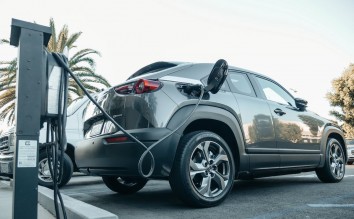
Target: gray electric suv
252,127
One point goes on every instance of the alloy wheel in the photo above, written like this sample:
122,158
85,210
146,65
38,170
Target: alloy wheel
336,158
209,169
43,171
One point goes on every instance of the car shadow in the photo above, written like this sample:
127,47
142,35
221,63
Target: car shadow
157,195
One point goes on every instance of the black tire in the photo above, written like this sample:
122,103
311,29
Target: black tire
334,168
124,185
350,162
44,177
198,179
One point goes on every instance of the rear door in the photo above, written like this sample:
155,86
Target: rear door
297,132
257,123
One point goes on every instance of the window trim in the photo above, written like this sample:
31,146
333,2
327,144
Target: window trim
270,80
234,89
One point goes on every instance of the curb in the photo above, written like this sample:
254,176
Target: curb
75,209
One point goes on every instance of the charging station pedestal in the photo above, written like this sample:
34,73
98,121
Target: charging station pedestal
30,39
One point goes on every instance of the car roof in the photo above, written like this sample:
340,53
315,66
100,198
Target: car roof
182,69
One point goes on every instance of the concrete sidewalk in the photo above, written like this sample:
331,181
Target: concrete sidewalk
6,195
75,209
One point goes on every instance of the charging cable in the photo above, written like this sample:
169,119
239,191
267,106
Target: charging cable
147,151
56,144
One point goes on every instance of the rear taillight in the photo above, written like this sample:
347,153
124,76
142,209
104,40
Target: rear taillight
117,139
125,89
139,87
146,86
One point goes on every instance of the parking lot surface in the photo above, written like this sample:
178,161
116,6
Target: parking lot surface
290,196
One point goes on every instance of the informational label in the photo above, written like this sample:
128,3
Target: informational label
27,153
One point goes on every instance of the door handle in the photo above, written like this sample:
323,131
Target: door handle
279,112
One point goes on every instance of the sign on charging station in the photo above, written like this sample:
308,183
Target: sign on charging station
27,153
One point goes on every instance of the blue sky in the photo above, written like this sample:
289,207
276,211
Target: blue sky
301,44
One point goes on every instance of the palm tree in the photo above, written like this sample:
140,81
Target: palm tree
7,88
81,64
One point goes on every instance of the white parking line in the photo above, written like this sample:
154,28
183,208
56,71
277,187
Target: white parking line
314,175
86,192
331,205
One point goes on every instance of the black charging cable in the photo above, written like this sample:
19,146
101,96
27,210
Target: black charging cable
142,157
56,144
59,58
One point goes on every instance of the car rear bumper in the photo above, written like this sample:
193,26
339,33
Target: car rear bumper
96,156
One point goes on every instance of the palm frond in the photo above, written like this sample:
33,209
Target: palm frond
72,39
3,88
7,96
90,61
8,109
85,52
2,41
77,69
11,118
53,39
62,38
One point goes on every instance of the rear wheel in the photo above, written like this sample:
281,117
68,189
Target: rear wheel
204,170
124,185
44,177
334,168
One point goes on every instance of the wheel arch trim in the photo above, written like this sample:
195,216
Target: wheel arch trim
334,132
212,113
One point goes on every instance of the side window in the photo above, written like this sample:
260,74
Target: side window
274,92
241,83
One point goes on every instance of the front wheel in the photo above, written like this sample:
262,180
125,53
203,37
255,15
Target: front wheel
124,185
203,172
334,168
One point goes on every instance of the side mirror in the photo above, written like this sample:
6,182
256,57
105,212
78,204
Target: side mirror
301,104
217,76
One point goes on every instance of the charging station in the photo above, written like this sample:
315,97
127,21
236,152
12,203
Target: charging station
41,97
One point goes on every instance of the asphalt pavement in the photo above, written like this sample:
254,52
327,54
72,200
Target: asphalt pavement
289,196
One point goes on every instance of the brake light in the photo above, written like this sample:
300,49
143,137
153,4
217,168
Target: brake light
116,139
146,86
125,89
139,87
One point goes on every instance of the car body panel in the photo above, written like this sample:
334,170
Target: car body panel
350,150
250,126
